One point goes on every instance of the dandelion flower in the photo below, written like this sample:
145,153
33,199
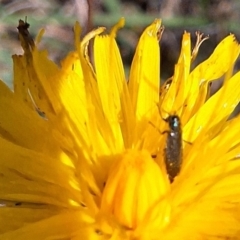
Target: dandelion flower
84,152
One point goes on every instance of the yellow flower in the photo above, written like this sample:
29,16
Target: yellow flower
82,149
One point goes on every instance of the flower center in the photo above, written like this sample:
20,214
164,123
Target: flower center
134,185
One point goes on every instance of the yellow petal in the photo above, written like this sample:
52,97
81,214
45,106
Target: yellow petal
30,169
223,102
180,86
61,226
144,77
222,59
131,189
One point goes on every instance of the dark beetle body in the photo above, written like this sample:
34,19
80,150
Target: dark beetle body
173,150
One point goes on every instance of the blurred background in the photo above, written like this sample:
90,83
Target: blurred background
216,18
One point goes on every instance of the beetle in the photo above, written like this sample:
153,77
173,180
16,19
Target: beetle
173,150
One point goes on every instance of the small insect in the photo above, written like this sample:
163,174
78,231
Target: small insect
173,150
24,33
